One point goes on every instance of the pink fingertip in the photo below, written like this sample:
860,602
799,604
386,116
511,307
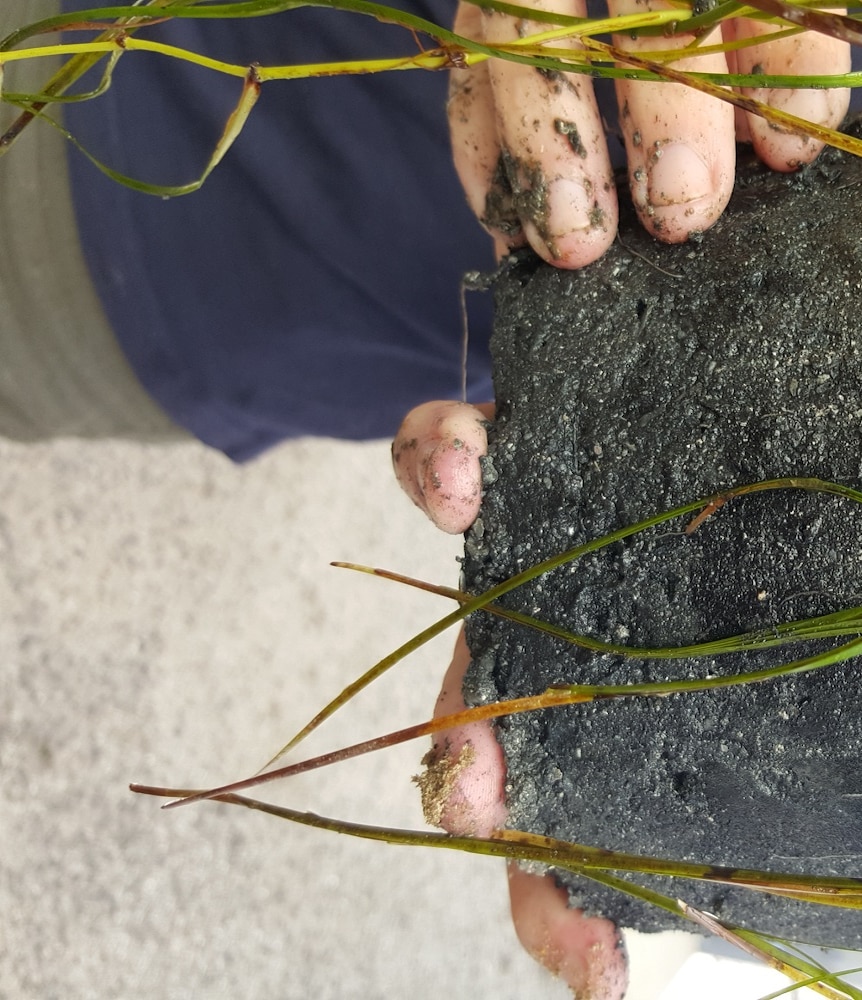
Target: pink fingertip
786,151
679,176
452,485
580,226
436,458
585,952
476,806
679,193
475,803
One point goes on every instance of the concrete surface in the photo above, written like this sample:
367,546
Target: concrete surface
168,617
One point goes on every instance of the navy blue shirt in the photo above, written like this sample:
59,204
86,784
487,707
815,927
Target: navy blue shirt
311,287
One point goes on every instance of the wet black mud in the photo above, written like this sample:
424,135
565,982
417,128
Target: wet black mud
655,376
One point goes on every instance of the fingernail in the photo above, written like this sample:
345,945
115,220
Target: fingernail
677,176
812,105
570,208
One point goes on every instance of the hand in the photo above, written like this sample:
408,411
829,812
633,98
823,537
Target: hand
436,456
531,152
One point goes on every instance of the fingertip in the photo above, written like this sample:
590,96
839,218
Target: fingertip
557,174
451,477
785,150
436,457
778,143
584,226
587,953
463,785
680,147
451,483
679,189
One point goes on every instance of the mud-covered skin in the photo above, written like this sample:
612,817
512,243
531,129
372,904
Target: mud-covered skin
622,391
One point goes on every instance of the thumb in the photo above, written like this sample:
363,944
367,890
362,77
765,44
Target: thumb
436,458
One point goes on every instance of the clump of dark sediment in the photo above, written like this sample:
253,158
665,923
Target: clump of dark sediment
653,377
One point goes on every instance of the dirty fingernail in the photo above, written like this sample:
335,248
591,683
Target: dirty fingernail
678,176
569,209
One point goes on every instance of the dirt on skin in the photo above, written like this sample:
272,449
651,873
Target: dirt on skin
655,376
438,780
519,191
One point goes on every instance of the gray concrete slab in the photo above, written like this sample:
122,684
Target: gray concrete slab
170,617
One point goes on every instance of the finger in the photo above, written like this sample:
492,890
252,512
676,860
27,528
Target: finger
463,786
475,146
809,53
553,149
463,790
587,953
680,143
436,458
